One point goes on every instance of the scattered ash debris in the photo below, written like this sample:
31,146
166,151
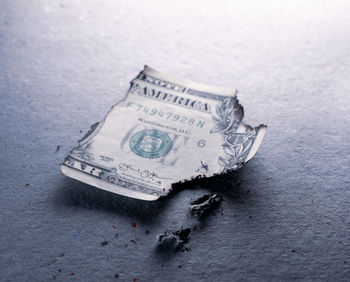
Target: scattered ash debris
58,148
169,239
183,235
205,204
199,207
76,234
52,262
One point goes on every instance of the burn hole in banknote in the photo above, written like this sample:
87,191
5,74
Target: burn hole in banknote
167,130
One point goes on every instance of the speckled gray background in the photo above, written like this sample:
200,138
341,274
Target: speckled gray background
63,64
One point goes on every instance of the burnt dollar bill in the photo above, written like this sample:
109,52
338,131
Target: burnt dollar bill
166,130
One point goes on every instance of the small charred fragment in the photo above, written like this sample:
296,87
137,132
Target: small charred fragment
177,238
167,239
205,204
183,235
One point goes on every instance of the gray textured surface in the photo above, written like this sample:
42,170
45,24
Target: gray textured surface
64,63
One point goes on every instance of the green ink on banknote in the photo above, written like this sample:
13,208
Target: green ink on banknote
150,143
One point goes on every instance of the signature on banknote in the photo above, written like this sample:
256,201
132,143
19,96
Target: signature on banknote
144,173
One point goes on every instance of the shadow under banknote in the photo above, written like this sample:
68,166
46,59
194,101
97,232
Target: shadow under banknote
76,193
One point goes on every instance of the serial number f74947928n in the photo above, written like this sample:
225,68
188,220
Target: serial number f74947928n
165,115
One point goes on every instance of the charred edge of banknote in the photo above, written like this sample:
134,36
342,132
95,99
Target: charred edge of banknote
223,178
84,141
89,134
